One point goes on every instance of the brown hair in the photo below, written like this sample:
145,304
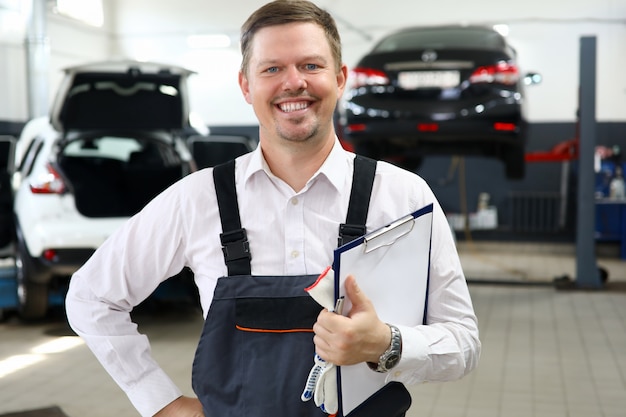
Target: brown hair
280,12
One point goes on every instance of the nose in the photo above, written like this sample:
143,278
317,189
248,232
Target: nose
294,79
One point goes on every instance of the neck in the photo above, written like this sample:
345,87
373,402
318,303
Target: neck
296,164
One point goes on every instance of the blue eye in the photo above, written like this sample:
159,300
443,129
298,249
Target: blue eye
311,67
272,69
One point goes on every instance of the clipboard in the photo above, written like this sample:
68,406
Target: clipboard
376,260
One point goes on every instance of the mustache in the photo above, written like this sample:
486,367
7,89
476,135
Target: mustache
298,94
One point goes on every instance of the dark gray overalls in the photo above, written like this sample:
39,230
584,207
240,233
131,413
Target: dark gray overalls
256,347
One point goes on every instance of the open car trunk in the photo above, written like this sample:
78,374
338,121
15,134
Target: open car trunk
116,176
122,95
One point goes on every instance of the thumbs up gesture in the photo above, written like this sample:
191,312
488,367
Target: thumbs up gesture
358,337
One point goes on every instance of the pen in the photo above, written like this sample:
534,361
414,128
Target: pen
338,306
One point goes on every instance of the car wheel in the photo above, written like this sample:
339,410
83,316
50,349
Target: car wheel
32,297
514,163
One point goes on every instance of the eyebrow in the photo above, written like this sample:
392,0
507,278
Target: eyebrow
271,62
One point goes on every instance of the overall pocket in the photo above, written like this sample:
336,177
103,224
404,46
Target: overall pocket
256,348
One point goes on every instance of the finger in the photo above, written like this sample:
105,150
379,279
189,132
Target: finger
321,347
355,294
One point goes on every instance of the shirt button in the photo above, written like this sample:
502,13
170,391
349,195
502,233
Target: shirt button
397,374
294,201
295,254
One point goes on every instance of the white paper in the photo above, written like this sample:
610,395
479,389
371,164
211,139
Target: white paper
391,266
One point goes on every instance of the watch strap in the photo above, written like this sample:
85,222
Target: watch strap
392,354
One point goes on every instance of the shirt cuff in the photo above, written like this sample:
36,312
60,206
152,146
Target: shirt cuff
415,352
153,392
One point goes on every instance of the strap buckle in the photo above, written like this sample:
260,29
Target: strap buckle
235,245
349,232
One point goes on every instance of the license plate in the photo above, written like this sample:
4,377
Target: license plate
412,80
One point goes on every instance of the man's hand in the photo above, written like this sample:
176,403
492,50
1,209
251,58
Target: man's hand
359,337
182,407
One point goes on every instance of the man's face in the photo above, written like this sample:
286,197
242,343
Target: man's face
292,82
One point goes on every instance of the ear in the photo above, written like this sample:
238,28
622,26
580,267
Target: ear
342,78
245,87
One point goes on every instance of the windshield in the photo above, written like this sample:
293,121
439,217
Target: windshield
440,38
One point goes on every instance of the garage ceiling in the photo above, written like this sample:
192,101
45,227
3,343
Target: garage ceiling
360,18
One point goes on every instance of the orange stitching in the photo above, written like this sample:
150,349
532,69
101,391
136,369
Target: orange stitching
248,329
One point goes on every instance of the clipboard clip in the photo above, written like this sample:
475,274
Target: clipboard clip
388,235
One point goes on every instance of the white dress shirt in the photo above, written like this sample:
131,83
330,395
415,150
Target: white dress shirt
290,233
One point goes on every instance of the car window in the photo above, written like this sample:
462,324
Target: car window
451,38
119,148
34,147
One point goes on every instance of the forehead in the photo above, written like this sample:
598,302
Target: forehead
288,41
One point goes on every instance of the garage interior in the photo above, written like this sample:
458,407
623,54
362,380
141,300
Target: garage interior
545,256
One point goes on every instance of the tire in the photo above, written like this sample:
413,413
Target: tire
32,297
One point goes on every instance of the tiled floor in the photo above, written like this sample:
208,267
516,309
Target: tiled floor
546,352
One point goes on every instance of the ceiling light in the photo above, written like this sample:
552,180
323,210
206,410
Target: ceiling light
208,41
87,11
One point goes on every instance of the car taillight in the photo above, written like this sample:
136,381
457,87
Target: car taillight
358,127
50,255
502,73
49,182
505,126
428,127
360,77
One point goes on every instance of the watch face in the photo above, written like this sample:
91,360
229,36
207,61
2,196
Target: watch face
392,361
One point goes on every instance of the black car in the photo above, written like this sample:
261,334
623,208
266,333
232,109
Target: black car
451,90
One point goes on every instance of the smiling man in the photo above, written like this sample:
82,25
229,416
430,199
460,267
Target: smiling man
257,231
293,81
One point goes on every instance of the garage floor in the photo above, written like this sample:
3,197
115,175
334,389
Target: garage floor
546,351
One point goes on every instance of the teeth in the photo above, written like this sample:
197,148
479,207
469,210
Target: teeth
289,107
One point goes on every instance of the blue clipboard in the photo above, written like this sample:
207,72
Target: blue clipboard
378,260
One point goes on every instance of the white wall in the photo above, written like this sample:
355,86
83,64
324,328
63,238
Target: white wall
69,43
13,104
546,34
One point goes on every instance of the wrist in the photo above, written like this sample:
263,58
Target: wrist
383,342
392,353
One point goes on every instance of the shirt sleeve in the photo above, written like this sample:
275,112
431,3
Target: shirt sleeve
448,346
103,292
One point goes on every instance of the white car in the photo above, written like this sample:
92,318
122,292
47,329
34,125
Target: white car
116,137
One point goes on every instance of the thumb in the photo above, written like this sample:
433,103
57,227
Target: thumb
357,297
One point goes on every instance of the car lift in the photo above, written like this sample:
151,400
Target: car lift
588,274
8,287
563,152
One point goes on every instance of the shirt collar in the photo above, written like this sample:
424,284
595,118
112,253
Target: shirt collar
335,168
256,164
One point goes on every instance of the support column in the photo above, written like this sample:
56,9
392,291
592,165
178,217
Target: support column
37,59
587,274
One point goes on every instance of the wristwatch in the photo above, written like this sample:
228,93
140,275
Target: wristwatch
391,356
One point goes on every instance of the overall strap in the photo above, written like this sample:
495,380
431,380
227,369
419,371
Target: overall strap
234,238
362,183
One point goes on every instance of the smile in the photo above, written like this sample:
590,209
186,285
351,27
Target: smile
293,106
